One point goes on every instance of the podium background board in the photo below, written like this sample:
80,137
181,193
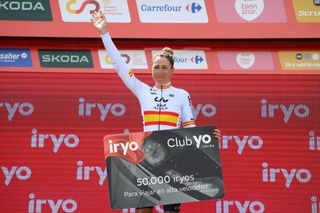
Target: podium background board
184,19
256,77
163,167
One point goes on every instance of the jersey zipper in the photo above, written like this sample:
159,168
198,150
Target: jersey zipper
160,108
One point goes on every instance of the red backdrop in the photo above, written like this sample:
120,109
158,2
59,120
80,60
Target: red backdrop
263,94
52,150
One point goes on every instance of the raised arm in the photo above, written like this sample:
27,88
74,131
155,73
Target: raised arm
100,23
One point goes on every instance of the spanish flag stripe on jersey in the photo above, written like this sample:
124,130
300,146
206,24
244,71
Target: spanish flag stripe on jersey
188,123
161,123
168,118
130,73
162,113
165,118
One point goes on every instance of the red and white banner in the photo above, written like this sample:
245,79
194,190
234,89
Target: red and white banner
190,58
53,124
197,19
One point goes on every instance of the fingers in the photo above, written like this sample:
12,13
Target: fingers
217,134
96,16
99,21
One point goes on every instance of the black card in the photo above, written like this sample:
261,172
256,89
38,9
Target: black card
163,167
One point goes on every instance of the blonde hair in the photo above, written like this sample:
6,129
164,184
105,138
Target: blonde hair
166,52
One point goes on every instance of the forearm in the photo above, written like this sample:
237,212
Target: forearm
119,64
114,54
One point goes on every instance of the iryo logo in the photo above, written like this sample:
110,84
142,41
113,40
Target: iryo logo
38,140
21,173
85,109
225,206
24,109
83,172
193,7
207,110
268,110
254,142
68,205
301,175
132,146
314,142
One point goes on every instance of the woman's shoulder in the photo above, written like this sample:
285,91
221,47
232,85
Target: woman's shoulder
181,91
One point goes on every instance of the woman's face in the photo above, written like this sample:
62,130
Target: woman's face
162,70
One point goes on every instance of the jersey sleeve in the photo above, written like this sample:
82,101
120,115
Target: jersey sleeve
187,115
122,69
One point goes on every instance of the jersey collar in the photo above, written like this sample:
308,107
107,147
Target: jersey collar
166,86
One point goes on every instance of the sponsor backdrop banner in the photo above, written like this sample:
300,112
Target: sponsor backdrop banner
86,57
52,127
201,19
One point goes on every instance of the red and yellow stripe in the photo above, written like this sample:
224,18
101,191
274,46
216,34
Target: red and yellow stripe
163,87
188,123
162,118
131,73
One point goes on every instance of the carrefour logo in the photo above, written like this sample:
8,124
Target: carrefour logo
167,11
188,59
194,7
25,10
197,59
15,57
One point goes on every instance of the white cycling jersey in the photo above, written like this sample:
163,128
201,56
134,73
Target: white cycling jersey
162,107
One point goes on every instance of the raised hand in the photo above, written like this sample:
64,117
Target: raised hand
99,22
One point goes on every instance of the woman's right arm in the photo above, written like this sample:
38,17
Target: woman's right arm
100,23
